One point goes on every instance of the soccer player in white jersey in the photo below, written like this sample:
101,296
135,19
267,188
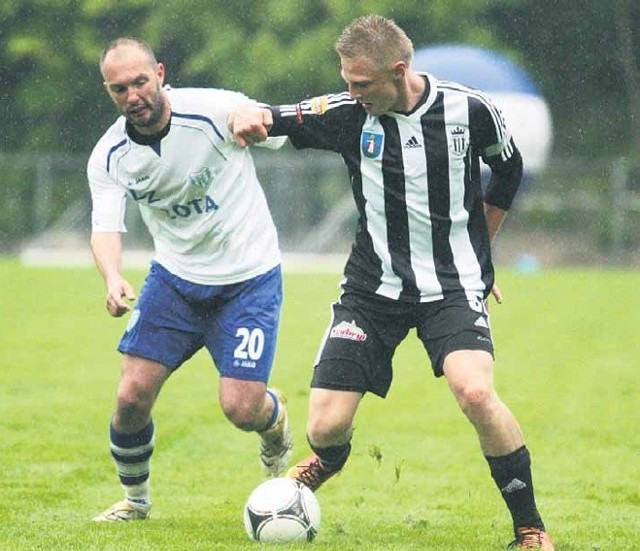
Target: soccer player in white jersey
215,278
421,257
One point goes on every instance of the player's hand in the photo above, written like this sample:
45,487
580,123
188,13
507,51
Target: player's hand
120,295
250,124
497,293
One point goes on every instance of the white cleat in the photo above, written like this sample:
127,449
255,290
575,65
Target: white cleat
124,511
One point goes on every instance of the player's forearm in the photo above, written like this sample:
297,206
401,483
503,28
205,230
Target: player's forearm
107,253
495,217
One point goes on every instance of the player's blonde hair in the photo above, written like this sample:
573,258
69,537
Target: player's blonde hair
376,38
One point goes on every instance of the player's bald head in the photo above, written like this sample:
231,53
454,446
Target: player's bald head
127,46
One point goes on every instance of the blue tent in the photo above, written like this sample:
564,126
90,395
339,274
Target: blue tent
509,86
476,67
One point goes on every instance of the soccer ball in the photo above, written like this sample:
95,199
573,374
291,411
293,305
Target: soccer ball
282,510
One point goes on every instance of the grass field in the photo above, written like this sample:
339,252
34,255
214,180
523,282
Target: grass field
568,354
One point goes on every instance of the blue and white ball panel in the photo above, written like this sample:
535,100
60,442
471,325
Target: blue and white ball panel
237,323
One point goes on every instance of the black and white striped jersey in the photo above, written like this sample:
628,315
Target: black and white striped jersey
416,181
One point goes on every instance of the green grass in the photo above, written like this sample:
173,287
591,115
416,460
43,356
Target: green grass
568,350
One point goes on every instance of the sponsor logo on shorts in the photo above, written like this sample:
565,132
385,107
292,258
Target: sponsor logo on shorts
350,331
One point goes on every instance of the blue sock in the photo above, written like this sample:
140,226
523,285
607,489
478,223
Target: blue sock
132,454
276,411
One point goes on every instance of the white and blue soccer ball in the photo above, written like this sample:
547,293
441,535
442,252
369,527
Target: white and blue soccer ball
282,510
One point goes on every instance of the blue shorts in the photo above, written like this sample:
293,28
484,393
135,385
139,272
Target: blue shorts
237,323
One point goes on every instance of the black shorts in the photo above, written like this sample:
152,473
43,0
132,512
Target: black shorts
358,347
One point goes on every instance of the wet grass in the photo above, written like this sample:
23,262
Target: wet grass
567,353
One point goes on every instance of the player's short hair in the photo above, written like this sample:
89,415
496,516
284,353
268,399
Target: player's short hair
129,41
376,38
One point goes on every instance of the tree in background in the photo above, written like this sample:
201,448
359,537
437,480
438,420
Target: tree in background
584,57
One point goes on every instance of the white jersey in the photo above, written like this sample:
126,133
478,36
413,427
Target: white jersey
197,191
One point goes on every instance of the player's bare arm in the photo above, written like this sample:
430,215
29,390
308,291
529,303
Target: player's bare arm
107,251
250,124
495,217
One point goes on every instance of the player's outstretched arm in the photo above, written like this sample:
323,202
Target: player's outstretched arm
107,252
250,124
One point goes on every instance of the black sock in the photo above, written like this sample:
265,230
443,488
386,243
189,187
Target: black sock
334,457
512,475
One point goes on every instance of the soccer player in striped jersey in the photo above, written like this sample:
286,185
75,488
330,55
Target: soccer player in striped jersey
215,279
421,259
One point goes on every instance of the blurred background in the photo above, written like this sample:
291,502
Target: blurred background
566,75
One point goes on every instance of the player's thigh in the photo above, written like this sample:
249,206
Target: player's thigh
242,336
469,372
454,324
163,326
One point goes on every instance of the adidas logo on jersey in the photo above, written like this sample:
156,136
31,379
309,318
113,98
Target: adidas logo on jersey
412,143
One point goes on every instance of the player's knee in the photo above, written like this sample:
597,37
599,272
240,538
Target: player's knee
243,415
477,402
132,413
324,431
134,400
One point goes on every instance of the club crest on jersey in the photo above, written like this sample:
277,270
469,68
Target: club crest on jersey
371,144
319,105
458,142
350,331
201,179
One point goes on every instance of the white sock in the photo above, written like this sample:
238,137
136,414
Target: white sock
140,493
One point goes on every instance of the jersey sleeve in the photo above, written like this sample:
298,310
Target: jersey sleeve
493,141
273,142
108,198
318,123
489,133
219,105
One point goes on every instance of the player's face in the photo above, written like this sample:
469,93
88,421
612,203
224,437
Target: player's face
377,89
134,83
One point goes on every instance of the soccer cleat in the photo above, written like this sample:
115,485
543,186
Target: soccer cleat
276,443
311,472
531,538
124,511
